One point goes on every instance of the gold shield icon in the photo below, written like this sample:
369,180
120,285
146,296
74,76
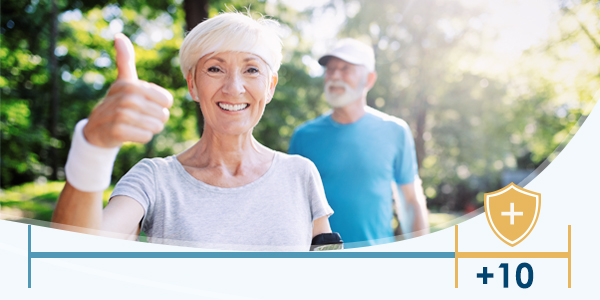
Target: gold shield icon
512,212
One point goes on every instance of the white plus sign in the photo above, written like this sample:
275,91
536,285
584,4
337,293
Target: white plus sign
512,213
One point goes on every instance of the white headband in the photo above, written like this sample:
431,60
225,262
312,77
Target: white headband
259,50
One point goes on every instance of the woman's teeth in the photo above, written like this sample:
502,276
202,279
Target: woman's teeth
230,107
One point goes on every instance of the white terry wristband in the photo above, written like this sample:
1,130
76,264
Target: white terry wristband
89,167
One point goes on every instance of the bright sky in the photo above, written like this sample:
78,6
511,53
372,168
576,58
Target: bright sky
519,23
301,5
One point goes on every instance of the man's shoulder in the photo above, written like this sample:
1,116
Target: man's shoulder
315,124
389,121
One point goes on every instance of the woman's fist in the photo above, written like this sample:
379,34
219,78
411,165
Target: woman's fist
133,110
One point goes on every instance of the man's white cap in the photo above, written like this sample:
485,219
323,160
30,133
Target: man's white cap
352,51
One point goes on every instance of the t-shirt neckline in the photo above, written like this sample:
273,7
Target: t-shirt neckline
336,124
201,184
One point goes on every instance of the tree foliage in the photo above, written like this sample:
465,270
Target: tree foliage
86,62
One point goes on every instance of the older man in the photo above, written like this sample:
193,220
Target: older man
366,158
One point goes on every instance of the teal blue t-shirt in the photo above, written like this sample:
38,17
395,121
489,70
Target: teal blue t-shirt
358,163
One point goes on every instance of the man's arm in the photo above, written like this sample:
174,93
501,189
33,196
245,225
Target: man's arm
413,207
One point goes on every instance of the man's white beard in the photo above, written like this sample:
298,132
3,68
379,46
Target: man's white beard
340,100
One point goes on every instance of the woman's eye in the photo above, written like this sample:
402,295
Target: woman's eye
253,70
214,70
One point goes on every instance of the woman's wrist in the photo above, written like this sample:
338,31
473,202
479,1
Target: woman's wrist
89,167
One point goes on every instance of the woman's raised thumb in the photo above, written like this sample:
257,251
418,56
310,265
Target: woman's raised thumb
125,58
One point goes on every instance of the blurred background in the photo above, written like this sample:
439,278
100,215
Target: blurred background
492,90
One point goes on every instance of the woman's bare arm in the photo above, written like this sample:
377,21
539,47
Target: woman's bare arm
321,225
82,212
133,110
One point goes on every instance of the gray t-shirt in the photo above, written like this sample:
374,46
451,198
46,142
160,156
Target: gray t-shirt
273,213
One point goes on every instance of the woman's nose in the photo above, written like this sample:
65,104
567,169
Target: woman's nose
234,85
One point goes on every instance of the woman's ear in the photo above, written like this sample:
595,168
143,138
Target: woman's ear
192,86
271,87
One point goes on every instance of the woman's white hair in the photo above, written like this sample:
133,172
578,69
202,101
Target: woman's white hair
232,31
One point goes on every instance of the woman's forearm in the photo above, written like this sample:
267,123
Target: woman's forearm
78,211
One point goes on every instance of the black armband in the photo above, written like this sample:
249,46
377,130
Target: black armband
327,241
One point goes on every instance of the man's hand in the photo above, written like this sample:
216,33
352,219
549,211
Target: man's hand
133,110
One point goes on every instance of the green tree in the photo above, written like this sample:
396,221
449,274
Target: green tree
85,66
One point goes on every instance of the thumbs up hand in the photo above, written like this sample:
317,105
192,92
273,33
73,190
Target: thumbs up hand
133,110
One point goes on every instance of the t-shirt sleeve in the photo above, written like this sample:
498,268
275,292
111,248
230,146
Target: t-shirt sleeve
316,194
139,184
406,169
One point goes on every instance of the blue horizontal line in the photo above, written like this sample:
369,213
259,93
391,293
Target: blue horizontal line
316,254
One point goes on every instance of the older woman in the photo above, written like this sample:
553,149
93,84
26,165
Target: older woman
227,191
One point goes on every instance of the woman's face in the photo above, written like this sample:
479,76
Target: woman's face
233,89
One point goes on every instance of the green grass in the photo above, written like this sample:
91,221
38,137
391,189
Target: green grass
37,201
439,221
34,200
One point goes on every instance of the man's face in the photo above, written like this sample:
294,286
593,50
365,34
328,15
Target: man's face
344,82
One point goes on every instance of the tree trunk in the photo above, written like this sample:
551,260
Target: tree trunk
54,102
196,11
421,113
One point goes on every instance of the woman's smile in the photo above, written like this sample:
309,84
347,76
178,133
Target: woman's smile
229,107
